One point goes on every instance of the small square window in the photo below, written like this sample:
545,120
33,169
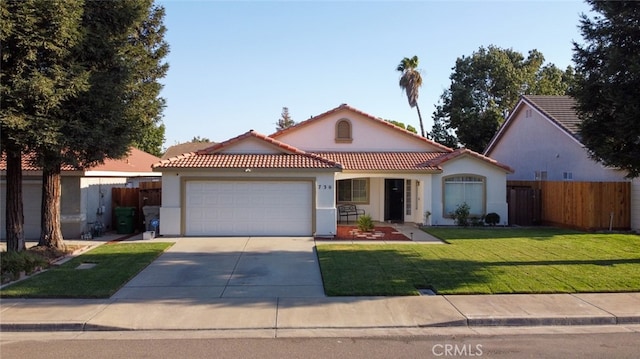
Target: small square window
567,176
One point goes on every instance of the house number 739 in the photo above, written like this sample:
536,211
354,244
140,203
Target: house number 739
324,186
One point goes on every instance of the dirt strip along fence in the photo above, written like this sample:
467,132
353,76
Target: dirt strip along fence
587,206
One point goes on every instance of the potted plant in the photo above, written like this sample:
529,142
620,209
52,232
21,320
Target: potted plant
427,214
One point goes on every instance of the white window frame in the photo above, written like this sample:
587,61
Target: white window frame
467,182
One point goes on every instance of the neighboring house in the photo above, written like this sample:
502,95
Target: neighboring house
86,194
290,183
540,140
185,148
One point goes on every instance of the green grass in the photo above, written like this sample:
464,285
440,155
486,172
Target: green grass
115,265
486,261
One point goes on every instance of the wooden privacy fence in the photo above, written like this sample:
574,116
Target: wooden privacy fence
581,205
148,194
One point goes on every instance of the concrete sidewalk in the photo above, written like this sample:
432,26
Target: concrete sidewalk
320,313
276,285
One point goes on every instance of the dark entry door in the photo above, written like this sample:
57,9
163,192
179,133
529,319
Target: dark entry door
394,200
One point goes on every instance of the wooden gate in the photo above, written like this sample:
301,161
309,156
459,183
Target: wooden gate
148,194
581,205
525,204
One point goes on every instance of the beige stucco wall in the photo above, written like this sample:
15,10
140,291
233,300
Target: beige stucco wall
496,188
420,193
72,217
536,144
367,136
31,200
171,218
251,145
96,192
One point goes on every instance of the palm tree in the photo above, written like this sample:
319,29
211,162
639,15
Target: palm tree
410,82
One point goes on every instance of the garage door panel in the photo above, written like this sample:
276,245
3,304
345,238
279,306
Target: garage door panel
248,208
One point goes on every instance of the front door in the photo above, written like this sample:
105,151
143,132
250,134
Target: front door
394,200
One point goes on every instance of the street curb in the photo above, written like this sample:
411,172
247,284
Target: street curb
539,322
467,322
59,327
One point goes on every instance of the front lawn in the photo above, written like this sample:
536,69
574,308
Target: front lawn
112,265
485,261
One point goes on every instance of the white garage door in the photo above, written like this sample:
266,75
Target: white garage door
243,208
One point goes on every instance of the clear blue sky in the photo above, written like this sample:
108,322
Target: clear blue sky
234,65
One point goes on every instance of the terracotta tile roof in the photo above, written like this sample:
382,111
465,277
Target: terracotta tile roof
292,157
186,147
228,160
384,161
27,164
212,157
344,106
136,161
464,151
558,108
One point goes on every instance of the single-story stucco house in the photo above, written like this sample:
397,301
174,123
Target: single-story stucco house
86,194
291,182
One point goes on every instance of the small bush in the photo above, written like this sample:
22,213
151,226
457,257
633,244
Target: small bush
492,219
365,223
461,215
12,263
477,221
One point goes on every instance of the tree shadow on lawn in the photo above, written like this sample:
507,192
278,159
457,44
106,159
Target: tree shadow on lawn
447,234
390,272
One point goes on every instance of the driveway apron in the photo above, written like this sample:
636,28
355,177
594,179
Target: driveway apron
230,267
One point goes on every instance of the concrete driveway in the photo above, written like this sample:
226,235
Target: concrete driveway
230,267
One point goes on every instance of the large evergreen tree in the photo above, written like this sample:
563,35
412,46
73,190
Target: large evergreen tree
37,38
285,120
486,86
146,50
608,83
85,100
439,132
122,49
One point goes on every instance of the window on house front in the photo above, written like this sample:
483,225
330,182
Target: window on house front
353,190
567,176
469,189
343,131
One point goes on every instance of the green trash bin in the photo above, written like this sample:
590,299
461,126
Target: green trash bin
124,219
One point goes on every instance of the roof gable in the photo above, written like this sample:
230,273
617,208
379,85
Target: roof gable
464,152
369,134
250,142
558,110
249,150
